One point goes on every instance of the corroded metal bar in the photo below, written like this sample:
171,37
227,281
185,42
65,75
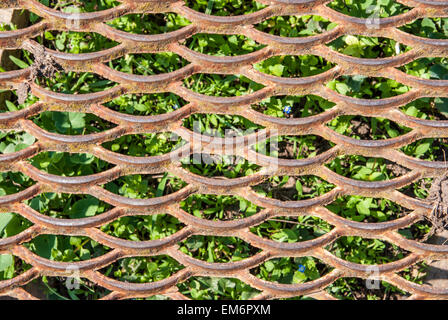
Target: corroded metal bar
196,143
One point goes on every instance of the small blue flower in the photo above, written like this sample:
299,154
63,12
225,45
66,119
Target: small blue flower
287,110
301,268
175,107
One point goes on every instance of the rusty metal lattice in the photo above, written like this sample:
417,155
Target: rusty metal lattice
172,82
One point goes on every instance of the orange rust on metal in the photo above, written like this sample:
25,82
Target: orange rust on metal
172,82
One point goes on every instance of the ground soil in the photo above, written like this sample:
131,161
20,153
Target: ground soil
44,66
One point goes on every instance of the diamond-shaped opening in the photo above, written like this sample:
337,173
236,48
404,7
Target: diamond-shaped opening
144,186
434,28
211,165
71,123
69,164
12,223
147,64
75,83
365,209
431,149
9,101
417,231
367,128
366,251
13,182
365,289
66,248
222,45
211,288
427,108
67,288
292,188
428,68
292,229
418,189
147,144
293,106
142,269
366,169
221,85
372,9
220,125
294,66
13,141
75,42
293,147
295,26
368,47
80,6
291,270
367,88
146,104
225,8
11,266
143,228
68,206
149,23
217,249
212,207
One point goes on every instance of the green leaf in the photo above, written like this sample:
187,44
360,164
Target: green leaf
351,40
81,158
152,267
442,105
11,106
49,35
277,70
75,241
376,176
299,188
299,277
269,266
72,295
44,245
84,254
28,139
438,71
290,235
363,208
406,233
5,218
77,120
426,22
140,107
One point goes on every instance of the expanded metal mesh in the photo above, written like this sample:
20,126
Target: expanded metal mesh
198,103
